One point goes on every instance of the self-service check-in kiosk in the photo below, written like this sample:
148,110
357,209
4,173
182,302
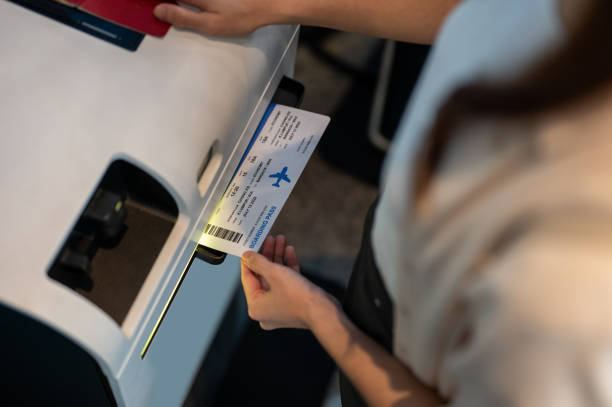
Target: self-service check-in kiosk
114,149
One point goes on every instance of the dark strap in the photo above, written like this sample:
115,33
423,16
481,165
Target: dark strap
367,304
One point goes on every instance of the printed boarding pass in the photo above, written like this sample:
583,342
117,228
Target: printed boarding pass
272,164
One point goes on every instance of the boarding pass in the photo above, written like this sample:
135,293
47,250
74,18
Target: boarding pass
266,175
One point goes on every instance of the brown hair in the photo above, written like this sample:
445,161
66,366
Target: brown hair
579,67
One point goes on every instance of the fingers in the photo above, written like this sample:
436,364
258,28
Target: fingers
177,15
182,17
291,258
201,4
267,248
251,284
258,263
264,283
265,326
279,249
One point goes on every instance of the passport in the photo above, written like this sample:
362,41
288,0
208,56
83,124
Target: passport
134,14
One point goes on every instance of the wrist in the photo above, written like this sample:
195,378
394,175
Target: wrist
319,307
310,12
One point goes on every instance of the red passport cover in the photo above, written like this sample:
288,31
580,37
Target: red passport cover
134,14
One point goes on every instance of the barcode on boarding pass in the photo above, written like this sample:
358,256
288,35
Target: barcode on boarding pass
222,233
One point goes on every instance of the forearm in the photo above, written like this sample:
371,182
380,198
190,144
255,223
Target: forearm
381,379
404,20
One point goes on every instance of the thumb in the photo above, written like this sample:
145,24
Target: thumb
180,16
250,283
258,263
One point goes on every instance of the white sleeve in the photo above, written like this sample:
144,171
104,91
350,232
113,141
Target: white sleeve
538,322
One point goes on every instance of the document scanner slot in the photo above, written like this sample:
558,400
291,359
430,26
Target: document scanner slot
289,93
115,242
88,23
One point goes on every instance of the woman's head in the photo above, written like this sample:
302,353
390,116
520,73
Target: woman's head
579,68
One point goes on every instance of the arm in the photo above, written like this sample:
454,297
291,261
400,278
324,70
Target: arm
403,20
279,297
381,379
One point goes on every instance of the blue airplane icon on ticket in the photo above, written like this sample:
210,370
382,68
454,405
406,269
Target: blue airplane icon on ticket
281,176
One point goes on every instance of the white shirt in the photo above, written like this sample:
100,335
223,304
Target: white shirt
502,297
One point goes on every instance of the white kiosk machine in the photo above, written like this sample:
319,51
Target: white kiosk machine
114,149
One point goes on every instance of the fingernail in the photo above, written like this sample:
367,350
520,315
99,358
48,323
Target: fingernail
158,11
246,256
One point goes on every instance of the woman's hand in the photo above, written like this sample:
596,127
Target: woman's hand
403,20
222,18
278,296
